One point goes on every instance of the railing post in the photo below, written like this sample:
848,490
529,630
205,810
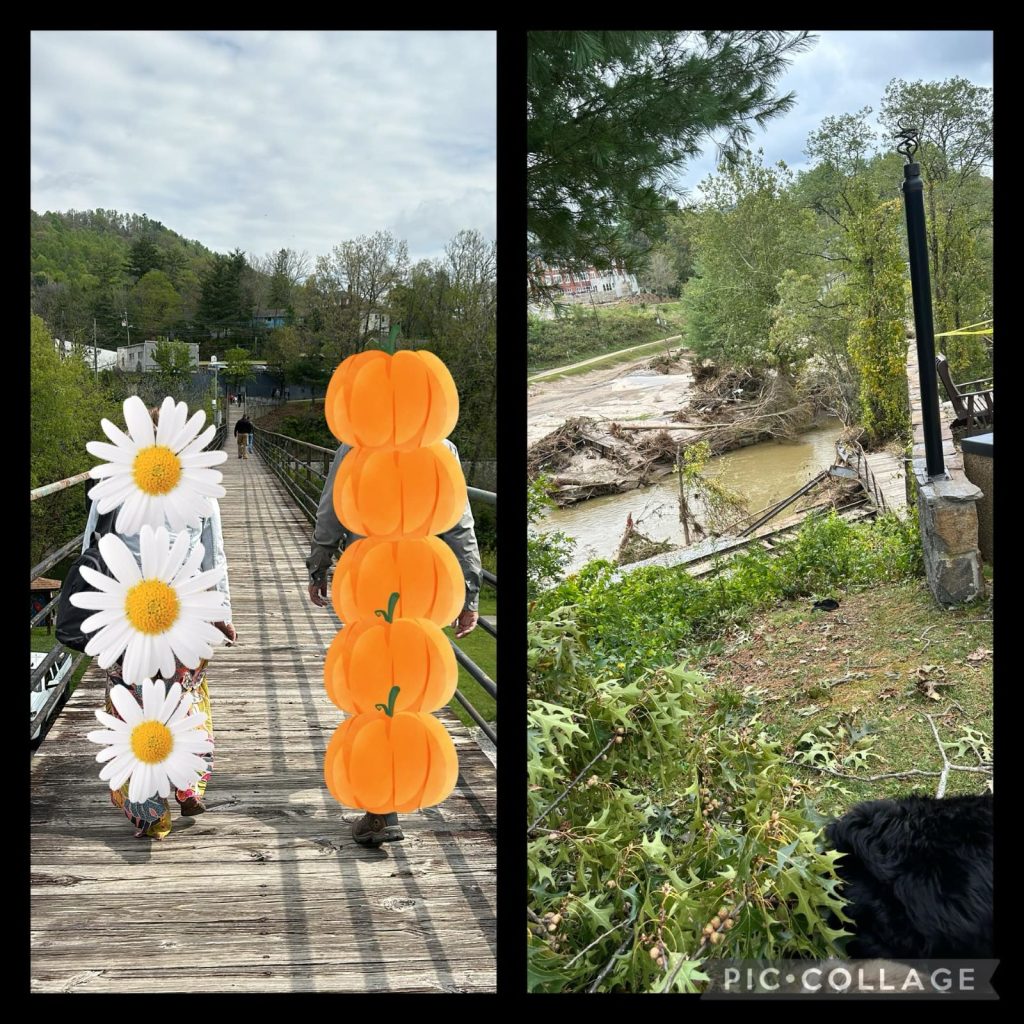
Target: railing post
917,246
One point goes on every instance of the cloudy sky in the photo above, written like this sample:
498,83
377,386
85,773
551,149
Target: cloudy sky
267,139
845,71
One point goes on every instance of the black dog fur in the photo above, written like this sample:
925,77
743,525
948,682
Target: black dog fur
918,876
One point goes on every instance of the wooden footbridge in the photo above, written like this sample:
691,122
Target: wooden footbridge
266,892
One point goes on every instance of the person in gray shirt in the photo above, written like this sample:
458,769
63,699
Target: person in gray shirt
328,535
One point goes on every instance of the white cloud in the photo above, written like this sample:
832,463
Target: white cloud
845,71
268,139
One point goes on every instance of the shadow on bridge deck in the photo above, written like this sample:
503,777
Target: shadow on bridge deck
267,892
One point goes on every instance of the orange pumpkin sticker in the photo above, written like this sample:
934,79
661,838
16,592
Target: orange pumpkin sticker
401,401
369,657
393,494
425,572
384,761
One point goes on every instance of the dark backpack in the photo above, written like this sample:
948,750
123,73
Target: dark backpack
69,618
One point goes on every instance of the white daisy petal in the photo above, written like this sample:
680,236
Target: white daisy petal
163,785
98,581
121,777
113,497
165,424
167,665
178,715
187,432
190,566
120,561
118,436
149,552
109,469
199,443
105,650
208,606
126,705
203,487
201,581
106,736
110,453
199,459
101,619
96,600
112,723
128,514
109,638
139,422
111,753
112,769
193,719
178,553
170,702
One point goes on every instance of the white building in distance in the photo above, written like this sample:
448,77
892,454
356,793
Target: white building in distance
100,358
140,357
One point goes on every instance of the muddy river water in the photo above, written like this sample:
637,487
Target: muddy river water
761,474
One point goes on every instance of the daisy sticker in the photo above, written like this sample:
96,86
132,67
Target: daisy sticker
157,745
155,614
156,474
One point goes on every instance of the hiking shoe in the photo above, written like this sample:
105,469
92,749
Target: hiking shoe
191,806
374,829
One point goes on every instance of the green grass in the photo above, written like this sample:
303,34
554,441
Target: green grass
584,332
483,649
876,643
45,642
613,358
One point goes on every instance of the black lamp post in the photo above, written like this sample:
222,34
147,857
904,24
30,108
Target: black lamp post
920,283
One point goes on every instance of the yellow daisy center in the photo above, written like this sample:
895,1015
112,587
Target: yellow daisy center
152,606
151,742
156,469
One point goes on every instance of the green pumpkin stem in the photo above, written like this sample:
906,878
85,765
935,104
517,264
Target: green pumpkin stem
389,345
389,615
389,708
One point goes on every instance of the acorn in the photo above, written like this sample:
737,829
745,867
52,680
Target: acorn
728,923
716,923
655,952
715,937
618,739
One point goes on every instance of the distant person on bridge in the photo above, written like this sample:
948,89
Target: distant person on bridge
152,817
243,432
328,534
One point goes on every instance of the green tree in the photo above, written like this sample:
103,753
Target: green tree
65,408
612,115
237,368
283,352
748,232
143,257
864,239
154,304
173,358
954,120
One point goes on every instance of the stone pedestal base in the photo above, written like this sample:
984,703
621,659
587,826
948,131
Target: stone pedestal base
948,519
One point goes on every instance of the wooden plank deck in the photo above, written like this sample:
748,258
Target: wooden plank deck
266,892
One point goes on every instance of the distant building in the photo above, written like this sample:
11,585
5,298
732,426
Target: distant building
269,318
101,358
140,357
590,284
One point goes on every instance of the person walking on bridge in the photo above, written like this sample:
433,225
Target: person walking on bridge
152,817
243,430
328,535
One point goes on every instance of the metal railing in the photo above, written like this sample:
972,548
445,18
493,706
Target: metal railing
302,468
851,454
44,713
